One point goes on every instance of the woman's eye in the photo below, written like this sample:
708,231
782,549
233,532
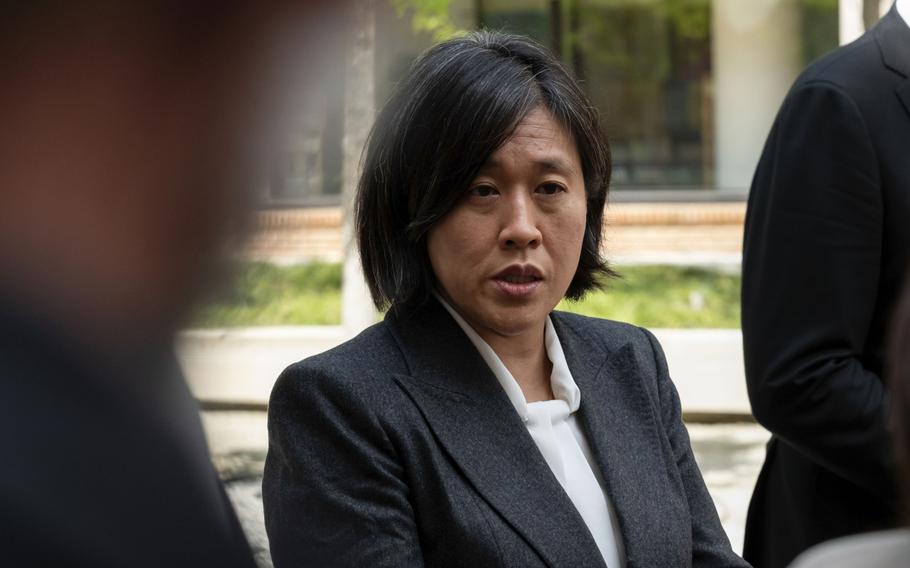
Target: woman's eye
550,189
482,191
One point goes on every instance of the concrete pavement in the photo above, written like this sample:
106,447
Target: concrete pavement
239,366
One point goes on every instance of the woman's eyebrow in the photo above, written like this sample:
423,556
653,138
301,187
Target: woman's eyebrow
555,164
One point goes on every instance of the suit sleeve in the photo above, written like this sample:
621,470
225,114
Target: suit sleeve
811,264
710,545
333,488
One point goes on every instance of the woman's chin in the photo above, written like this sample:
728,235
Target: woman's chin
515,321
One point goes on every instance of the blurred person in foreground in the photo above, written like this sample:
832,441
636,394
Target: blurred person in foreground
827,238
131,134
884,549
475,426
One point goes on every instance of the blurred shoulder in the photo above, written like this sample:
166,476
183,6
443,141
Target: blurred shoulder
886,549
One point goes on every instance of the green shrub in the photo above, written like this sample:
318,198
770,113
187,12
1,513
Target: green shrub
310,294
266,294
666,296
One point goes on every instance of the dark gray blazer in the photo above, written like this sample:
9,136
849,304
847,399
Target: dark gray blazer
400,448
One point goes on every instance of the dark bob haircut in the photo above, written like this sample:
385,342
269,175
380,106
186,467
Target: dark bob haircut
458,104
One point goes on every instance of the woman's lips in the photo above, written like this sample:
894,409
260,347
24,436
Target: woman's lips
518,281
517,289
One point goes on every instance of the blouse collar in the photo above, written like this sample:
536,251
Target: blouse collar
561,381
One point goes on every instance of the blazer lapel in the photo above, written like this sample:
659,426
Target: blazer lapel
893,37
903,93
618,419
478,427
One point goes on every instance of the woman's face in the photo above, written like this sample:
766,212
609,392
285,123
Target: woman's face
505,255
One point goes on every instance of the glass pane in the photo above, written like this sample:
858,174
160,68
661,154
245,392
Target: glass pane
309,167
526,17
689,88
647,66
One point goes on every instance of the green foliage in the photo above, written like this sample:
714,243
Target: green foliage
822,5
430,16
265,294
692,18
818,28
666,296
652,296
636,42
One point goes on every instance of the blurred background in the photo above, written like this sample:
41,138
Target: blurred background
687,89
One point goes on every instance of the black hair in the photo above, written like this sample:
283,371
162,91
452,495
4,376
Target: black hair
458,104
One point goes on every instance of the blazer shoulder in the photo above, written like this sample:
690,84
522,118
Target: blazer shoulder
851,67
360,366
606,333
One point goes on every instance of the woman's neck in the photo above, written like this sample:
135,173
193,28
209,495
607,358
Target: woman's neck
525,356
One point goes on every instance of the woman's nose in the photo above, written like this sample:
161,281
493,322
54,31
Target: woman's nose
519,228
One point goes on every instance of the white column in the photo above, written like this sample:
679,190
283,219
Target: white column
755,58
850,19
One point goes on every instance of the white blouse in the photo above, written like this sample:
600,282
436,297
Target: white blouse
558,436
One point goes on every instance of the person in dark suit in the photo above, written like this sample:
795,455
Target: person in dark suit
474,426
888,548
826,244
128,129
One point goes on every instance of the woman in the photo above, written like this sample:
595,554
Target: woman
473,427
883,549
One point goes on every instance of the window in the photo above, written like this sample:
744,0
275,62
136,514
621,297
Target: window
687,89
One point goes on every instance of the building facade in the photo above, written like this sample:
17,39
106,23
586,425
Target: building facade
687,90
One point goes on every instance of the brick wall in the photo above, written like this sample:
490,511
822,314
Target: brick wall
632,229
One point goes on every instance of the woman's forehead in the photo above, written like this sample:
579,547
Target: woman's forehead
540,138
